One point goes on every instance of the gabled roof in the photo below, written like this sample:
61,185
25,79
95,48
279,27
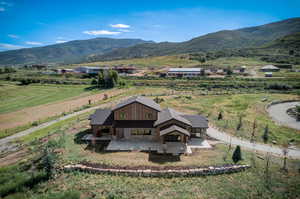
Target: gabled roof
197,121
269,67
169,114
102,117
172,129
185,69
142,100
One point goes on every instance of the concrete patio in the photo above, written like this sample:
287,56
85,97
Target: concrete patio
150,145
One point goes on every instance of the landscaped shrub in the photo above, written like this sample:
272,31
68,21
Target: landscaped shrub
237,154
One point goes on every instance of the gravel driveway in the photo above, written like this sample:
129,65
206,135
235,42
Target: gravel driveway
214,133
278,114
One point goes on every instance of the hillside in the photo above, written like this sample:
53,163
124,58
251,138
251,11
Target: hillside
226,39
69,52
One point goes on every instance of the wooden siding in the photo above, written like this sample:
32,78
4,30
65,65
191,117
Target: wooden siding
135,111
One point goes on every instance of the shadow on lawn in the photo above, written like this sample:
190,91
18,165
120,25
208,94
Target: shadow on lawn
163,158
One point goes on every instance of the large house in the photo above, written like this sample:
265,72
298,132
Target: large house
142,120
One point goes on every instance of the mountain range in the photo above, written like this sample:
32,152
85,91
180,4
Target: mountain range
99,49
65,53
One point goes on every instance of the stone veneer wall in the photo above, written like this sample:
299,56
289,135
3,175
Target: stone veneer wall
211,170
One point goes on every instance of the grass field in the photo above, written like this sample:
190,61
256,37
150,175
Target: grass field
14,97
181,60
248,184
248,106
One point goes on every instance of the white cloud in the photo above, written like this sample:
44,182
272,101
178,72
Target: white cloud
125,30
100,32
2,9
10,46
33,43
60,41
119,25
13,36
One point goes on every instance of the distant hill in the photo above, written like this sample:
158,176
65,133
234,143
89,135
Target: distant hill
68,52
226,39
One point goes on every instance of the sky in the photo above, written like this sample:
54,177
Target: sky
33,23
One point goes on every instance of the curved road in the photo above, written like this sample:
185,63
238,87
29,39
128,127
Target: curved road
214,133
278,114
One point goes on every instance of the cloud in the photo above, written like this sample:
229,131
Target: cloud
2,9
13,36
10,46
33,43
100,32
119,25
60,41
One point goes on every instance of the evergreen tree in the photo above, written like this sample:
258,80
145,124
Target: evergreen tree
266,134
237,154
220,116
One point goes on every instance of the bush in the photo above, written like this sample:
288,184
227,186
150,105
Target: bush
237,154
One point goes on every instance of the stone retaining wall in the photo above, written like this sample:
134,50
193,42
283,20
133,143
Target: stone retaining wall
212,170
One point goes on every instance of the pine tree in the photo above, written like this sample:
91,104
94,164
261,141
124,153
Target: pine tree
266,134
220,116
237,154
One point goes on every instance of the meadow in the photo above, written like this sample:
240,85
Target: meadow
250,107
15,97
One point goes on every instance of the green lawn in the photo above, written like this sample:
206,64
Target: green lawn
14,97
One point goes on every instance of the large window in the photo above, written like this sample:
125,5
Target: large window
141,132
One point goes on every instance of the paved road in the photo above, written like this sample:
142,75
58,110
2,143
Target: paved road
214,133
278,113
6,145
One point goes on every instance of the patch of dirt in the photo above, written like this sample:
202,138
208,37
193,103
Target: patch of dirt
31,114
13,157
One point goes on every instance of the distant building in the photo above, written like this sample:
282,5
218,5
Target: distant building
185,72
242,69
63,70
125,69
270,68
90,69
268,74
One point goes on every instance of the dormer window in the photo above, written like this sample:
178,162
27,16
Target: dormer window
149,116
122,116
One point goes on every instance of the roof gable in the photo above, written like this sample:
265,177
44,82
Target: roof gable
172,129
142,100
169,114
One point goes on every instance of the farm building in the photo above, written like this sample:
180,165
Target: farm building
125,69
185,72
270,68
90,69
